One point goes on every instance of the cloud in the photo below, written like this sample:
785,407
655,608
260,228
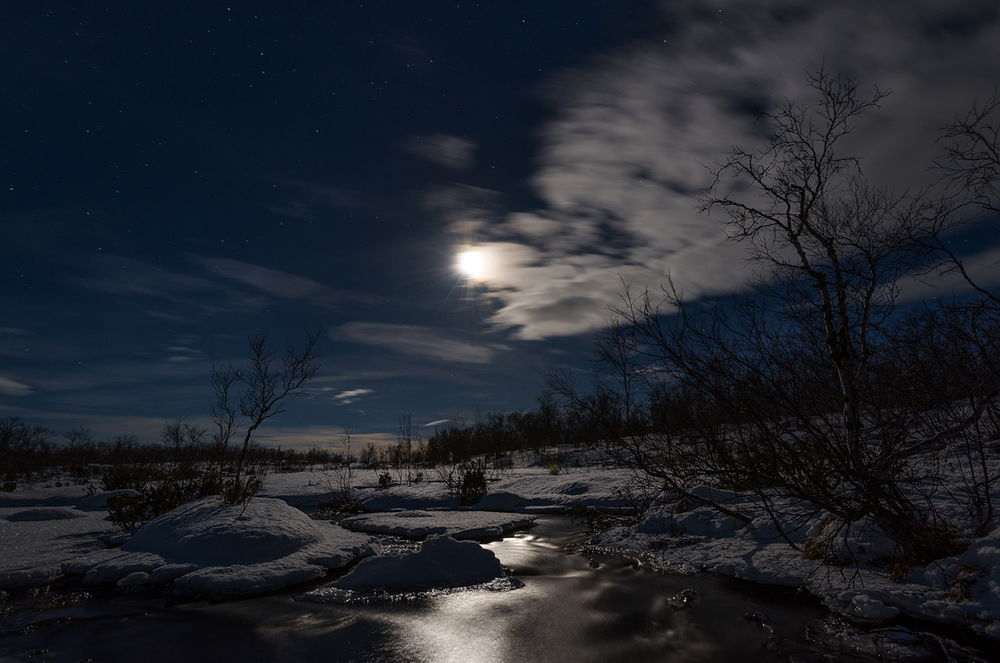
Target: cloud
436,422
9,387
467,209
228,286
351,395
279,284
126,277
624,160
982,267
414,340
442,149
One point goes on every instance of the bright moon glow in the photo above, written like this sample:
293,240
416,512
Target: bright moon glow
471,263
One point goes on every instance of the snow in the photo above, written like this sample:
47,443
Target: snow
441,561
456,524
517,490
36,541
201,549
44,513
210,549
861,592
210,531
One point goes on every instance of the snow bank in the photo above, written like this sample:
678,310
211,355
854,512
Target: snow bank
202,549
519,490
44,513
441,561
211,549
456,524
962,590
209,531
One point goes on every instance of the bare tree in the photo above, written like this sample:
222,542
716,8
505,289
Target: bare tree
225,415
265,382
799,392
971,166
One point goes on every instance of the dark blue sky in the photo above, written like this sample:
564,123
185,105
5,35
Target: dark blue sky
177,176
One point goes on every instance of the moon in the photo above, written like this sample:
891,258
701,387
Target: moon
471,263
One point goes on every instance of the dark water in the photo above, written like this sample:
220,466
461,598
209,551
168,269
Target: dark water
570,608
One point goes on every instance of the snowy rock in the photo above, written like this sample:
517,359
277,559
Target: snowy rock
137,579
717,495
867,609
208,530
44,513
657,523
983,553
209,549
763,528
100,500
503,501
456,524
121,566
706,521
858,540
574,488
441,562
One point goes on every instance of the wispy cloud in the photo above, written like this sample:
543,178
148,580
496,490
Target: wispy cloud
414,340
10,387
126,277
443,149
436,422
982,267
279,284
623,162
225,285
351,395
310,201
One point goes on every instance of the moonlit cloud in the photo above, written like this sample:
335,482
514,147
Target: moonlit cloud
442,149
351,395
414,340
624,161
278,284
982,267
9,387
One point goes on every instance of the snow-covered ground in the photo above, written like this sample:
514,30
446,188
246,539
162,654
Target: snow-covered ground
518,490
209,549
456,524
962,591
441,561
203,549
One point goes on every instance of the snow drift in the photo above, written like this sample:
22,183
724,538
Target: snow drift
441,561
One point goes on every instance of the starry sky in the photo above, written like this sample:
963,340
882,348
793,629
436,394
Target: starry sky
178,176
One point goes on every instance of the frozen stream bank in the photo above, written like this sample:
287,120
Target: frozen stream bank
570,608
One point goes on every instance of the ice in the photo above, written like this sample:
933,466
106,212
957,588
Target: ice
441,561
456,524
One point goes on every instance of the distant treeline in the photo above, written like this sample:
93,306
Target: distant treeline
495,433
27,451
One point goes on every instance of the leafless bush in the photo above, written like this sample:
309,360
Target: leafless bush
264,384
817,386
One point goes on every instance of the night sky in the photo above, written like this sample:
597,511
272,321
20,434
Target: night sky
178,176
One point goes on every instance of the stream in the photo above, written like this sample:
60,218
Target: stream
566,606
